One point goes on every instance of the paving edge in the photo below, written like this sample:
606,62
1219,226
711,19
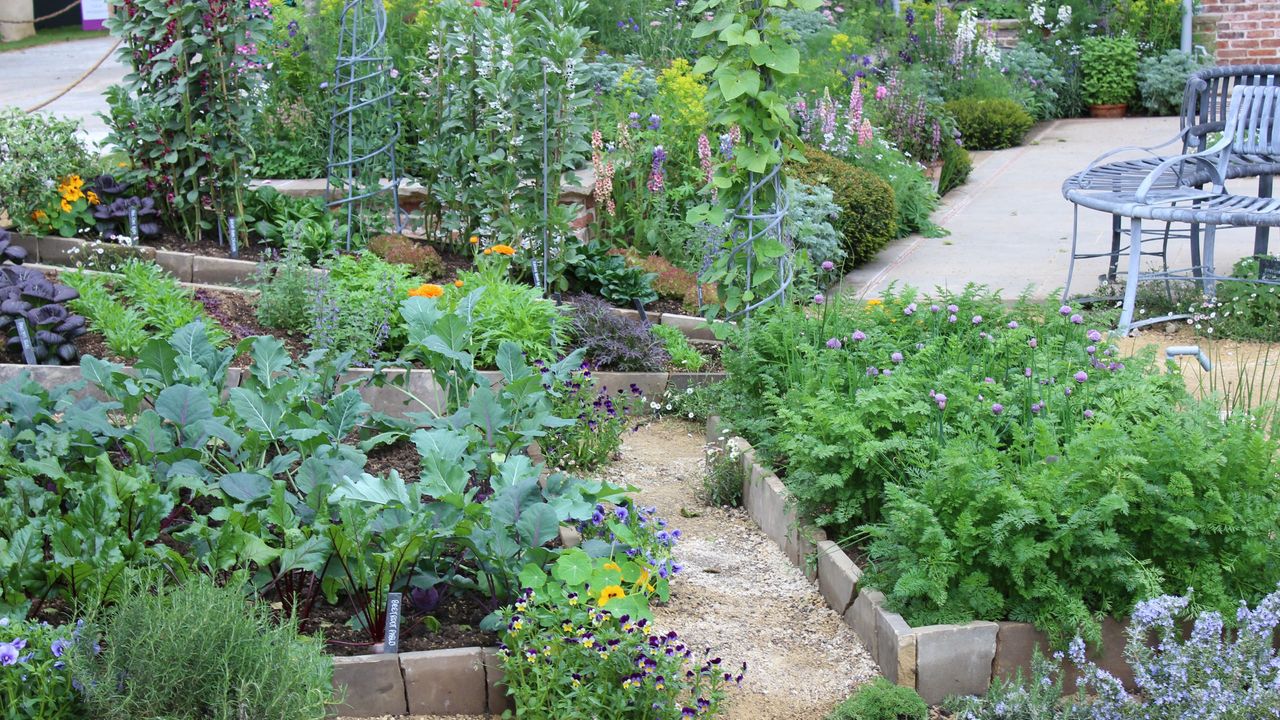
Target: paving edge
937,661
458,681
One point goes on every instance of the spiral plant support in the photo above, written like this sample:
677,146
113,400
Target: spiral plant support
750,224
362,176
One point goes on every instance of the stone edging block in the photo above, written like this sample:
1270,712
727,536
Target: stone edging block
445,682
837,576
371,685
954,659
460,681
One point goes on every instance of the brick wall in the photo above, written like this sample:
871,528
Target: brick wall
1242,32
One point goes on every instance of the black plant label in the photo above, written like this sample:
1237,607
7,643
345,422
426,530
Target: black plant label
392,632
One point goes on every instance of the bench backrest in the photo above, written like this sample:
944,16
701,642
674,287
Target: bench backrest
1253,122
1206,101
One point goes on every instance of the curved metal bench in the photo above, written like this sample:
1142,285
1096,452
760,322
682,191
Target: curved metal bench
1205,109
1173,190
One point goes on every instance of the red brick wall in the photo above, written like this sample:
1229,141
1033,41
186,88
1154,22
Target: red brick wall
1247,32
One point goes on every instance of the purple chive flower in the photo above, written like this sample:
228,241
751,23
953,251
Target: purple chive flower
1013,324
873,371
834,343
1064,310
953,309
934,309
1077,320
1036,408
1088,414
1082,376
1032,343
1067,391
977,319
989,381
996,408
896,357
1027,372
951,319
819,299
1091,349
941,400
859,336
909,310
828,265
1094,336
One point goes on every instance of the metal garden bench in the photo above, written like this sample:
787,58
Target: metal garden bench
1190,188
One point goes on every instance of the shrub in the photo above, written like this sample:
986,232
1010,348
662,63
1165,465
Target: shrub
1040,77
882,700
612,340
235,660
1244,311
956,166
868,213
669,281
989,124
1109,68
34,680
35,150
683,355
423,258
1162,80
604,272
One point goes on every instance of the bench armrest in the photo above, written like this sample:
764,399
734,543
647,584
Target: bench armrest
1148,150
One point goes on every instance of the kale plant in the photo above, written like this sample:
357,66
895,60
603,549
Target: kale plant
613,341
28,297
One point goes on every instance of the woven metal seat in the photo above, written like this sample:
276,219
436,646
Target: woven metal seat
1112,176
1191,189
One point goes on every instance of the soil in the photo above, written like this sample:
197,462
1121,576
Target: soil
459,619
252,251
403,457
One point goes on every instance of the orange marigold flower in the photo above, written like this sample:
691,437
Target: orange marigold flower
428,291
504,250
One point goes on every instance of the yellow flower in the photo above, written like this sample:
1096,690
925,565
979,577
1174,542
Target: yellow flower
488,251
39,215
504,250
93,197
612,566
66,206
475,240
567,627
458,283
611,592
873,302
427,291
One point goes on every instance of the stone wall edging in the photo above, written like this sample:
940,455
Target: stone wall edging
936,660
458,681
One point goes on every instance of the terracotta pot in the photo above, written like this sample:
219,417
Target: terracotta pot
1108,111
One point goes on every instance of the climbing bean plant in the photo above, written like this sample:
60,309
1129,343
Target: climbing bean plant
182,113
746,47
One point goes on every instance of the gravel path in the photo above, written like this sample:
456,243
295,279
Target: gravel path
738,593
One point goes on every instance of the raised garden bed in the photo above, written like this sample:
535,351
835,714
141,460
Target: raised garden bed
936,661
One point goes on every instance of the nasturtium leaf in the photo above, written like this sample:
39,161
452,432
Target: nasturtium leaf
573,568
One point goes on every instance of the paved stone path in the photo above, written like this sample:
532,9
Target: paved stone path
1010,226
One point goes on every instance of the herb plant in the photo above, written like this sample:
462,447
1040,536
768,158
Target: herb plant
683,354
882,700
1110,69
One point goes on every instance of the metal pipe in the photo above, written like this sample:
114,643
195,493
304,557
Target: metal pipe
1188,15
1192,350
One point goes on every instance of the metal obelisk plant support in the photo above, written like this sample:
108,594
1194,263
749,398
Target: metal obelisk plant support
363,130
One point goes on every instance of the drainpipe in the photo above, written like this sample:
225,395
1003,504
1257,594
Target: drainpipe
1188,15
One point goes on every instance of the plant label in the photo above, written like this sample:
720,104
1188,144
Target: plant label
233,237
1268,269
24,338
391,644
133,224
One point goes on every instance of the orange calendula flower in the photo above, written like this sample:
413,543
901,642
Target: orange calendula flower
458,283
504,250
474,240
488,251
428,291
38,215
612,566
611,592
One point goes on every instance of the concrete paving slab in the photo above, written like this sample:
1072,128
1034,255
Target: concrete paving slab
1010,227
33,75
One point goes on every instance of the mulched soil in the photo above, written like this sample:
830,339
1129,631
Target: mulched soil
402,457
459,619
252,251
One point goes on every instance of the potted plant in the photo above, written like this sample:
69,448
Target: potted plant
1109,70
